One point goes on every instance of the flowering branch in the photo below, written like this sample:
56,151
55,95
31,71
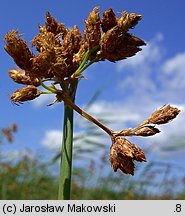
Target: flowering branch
62,56
122,152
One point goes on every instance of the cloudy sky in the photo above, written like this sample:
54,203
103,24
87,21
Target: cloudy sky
130,89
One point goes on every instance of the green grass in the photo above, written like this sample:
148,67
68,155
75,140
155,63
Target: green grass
30,180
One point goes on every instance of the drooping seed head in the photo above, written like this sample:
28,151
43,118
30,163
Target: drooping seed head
27,93
123,153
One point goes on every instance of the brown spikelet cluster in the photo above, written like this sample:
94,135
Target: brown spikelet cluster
55,27
62,53
147,131
92,33
17,48
20,77
8,132
123,153
108,20
163,115
117,44
27,93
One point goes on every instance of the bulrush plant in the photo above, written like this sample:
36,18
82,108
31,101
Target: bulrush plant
62,56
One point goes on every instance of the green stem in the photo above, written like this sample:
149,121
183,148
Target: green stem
67,148
88,64
82,66
66,155
47,93
48,88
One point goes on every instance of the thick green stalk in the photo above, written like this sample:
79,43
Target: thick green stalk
67,146
66,155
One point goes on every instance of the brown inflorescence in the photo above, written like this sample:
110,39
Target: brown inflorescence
61,50
117,43
92,33
20,77
108,20
29,92
123,154
70,46
163,115
146,131
55,27
127,21
17,48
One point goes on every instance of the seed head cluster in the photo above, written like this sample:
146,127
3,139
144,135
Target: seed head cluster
60,51
62,54
123,153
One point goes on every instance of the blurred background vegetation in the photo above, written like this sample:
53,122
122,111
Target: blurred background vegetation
36,177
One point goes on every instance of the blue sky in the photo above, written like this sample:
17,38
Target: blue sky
131,89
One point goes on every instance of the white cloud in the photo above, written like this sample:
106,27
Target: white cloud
173,75
43,100
150,76
151,53
175,63
137,74
52,139
116,115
